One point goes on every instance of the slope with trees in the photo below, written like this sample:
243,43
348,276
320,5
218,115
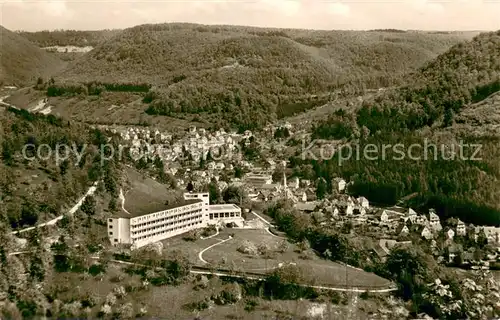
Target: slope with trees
22,62
422,113
248,76
77,38
36,186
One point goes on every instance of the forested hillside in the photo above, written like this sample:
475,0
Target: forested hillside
251,75
76,38
36,187
425,111
21,62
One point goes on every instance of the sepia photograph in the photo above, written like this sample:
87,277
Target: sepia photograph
250,159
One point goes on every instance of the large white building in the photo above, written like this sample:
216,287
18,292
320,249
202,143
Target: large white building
193,212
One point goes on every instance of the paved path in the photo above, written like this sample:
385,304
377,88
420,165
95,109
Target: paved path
77,206
200,255
269,224
122,198
261,218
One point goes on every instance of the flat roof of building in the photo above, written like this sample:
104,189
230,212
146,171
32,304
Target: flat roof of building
153,207
222,207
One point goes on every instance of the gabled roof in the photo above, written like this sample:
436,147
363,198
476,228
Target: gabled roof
306,206
400,228
411,212
271,186
380,251
433,215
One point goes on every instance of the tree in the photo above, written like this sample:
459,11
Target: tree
283,246
448,117
321,189
458,259
482,240
190,186
63,167
238,172
408,268
214,192
126,311
89,205
233,194
303,245
179,267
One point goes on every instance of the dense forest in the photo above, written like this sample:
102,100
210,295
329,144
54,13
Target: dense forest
77,38
424,111
248,76
35,186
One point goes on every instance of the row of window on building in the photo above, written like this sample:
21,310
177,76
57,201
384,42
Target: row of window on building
187,219
171,218
218,215
151,235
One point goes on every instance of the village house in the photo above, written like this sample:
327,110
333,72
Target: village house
258,180
450,234
311,194
363,202
382,216
426,233
305,183
388,216
492,233
264,196
411,213
271,165
335,212
349,210
306,206
294,183
338,184
219,166
461,230
434,221
421,220
403,230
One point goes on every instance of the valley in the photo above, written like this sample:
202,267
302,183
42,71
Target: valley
190,180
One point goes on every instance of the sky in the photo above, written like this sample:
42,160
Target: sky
35,15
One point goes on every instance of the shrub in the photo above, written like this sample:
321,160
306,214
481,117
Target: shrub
248,247
250,305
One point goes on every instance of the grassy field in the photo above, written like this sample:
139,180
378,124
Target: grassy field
169,302
226,255
189,248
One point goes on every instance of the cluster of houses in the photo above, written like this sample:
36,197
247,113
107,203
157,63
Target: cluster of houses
195,144
395,222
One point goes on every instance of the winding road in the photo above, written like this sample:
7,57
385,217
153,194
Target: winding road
77,206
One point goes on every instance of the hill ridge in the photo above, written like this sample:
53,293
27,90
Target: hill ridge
22,62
